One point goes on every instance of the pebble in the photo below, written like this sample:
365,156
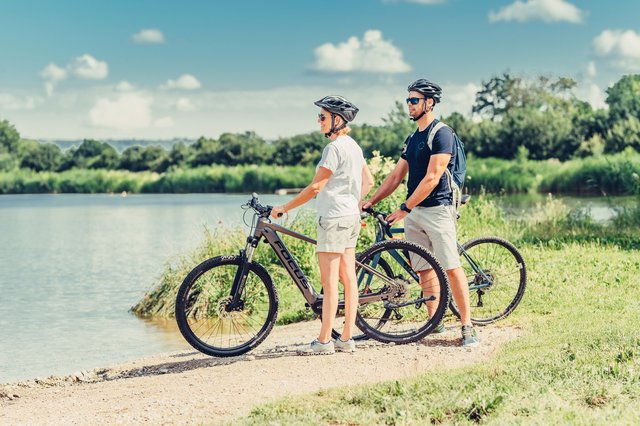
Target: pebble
250,357
164,370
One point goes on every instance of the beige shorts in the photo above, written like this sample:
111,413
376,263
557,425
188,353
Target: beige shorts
434,228
335,234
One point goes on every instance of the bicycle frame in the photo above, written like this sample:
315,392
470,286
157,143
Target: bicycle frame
269,231
387,231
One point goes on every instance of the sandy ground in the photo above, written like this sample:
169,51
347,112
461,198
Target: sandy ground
190,388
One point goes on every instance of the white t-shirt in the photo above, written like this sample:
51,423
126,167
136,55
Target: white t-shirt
340,196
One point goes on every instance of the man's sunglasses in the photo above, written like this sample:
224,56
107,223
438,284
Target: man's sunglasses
414,101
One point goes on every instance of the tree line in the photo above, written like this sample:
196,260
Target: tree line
512,118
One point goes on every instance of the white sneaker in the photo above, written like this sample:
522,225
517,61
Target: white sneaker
344,345
318,348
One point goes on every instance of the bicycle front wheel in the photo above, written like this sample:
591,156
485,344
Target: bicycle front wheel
203,302
411,306
497,277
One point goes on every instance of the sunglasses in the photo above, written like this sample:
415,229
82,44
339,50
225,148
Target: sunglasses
413,101
322,117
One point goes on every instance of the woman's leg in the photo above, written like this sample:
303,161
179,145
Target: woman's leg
348,277
329,268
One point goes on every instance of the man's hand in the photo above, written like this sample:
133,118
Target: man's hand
397,216
277,212
365,205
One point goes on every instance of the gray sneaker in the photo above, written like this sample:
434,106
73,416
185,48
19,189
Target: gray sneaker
469,337
344,345
439,329
318,348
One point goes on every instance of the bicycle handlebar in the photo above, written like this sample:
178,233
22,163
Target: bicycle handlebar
263,211
380,216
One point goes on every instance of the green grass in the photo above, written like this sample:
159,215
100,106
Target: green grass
611,174
577,361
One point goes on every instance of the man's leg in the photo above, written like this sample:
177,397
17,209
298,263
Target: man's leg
460,292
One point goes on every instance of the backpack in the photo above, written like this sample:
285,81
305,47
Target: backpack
455,177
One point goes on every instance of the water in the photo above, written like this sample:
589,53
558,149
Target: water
71,266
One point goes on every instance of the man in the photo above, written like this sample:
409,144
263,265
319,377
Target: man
429,214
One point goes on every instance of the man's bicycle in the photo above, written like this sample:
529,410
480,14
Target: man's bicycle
495,270
227,305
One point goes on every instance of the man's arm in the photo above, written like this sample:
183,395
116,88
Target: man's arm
437,165
390,183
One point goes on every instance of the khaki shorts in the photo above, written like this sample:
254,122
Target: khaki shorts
434,228
335,234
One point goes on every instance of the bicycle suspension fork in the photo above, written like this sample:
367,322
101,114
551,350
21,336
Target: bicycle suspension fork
240,278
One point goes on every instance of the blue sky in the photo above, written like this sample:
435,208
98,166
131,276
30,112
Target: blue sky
163,69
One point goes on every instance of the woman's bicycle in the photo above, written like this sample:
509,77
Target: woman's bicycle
227,305
495,270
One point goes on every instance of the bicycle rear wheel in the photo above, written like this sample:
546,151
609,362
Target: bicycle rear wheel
203,299
402,316
497,278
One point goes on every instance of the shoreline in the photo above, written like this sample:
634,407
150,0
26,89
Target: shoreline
187,387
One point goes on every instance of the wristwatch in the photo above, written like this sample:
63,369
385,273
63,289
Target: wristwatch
404,207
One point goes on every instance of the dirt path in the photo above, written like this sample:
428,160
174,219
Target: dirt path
188,388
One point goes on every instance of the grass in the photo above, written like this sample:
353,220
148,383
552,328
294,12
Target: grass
611,174
577,362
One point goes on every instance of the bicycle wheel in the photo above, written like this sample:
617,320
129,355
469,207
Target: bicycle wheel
362,283
402,315
497,277
201,307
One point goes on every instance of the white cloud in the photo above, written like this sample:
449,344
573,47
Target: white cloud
186,82
148,36
125,112
53,73
621,47
592,93
184,104
371,54
88,67
9,101
124,86
545,10
591,69
164,122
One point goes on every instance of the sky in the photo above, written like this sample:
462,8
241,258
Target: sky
163,69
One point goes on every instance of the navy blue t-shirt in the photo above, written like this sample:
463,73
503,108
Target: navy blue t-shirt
417,154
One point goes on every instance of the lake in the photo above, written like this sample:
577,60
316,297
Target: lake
72,265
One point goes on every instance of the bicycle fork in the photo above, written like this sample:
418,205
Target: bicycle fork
240,278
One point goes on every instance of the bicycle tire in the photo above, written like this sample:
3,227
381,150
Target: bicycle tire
363,336
501,300
215,276
414,322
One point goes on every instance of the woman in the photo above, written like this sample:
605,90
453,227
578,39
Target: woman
342,180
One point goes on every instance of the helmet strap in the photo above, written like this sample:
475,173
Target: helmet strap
333,128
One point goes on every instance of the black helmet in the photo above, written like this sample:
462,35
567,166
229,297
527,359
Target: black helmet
338,105
428,89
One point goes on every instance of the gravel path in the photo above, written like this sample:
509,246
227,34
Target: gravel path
188,387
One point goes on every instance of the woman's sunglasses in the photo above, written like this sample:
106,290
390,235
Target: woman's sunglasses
414,101
322,117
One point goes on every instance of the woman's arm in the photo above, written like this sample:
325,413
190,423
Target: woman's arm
367,181
319,181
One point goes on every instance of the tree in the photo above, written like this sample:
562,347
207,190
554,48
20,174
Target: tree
9,137
92,154
39,157
623,98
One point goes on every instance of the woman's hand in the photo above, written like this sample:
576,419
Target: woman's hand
277,212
